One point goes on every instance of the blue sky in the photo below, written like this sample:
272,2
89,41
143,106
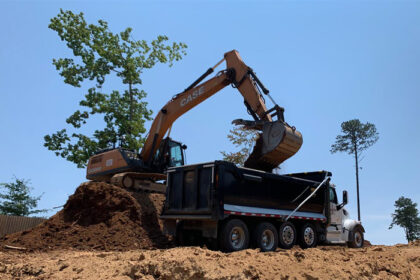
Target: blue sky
324,61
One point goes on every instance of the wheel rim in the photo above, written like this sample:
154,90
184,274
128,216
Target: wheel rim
237,237
309,236
288,235
358,239
267,239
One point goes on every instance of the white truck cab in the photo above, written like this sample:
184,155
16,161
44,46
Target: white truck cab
342,229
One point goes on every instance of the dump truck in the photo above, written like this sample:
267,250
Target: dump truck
277,139
238,208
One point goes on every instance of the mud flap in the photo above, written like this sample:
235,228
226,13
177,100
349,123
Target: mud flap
169,227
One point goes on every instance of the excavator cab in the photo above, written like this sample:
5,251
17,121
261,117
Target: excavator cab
134,173
169,154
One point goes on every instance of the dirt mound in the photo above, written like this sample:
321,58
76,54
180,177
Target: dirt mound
367,243
329,262
99,216
415,242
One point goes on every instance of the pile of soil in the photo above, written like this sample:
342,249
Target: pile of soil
99,216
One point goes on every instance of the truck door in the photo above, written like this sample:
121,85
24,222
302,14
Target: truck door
335,229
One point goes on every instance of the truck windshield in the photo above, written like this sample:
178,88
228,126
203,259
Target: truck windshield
175,152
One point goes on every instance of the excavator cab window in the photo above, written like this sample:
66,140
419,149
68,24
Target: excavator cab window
168,155
175,154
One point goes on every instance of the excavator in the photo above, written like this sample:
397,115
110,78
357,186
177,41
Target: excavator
276,142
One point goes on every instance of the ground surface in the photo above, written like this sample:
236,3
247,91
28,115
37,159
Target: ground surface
376,262
104,232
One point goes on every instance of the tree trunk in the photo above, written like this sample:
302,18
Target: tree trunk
130,118
357,182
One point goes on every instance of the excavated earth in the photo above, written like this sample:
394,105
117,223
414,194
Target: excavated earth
103,232
376,262
98,216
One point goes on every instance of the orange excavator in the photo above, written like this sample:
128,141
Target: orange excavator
277,140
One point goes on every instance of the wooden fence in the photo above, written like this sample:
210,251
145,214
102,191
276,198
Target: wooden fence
11,224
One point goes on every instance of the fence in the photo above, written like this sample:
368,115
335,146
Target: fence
11,224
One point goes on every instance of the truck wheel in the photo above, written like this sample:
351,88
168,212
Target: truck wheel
234,236
287,235
356,237
308,237
266,237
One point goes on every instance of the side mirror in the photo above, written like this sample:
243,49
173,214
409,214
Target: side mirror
184,147
345,198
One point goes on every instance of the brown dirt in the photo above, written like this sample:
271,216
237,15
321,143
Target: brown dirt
98,216
332,262
367,243
85,239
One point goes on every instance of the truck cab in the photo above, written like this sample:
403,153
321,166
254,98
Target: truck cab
341,228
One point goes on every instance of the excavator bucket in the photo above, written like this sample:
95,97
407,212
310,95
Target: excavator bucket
275,144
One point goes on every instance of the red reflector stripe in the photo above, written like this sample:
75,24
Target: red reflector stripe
272,215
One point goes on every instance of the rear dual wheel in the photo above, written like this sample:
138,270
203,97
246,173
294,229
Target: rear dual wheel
287,235
308,237
234,236
266,237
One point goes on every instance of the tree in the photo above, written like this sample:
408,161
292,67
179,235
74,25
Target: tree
16,199
356,138
406,216
244,139
100,53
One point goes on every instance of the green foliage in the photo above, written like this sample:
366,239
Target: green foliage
100,53
243,139
16,199
406,216
356,137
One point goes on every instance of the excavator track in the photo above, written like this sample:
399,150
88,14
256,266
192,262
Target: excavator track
134,181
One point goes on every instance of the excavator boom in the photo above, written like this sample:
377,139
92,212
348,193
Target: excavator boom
277,142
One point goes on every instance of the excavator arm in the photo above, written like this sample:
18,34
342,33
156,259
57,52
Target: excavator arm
277,142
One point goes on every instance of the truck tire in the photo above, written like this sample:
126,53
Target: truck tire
308,237
287,235
356,238
266,237
234,236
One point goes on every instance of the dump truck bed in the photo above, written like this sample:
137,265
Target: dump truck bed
217,189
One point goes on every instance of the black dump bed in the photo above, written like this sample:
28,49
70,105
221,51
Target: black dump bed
207,190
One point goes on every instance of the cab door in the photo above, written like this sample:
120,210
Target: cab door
335,228
176,157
